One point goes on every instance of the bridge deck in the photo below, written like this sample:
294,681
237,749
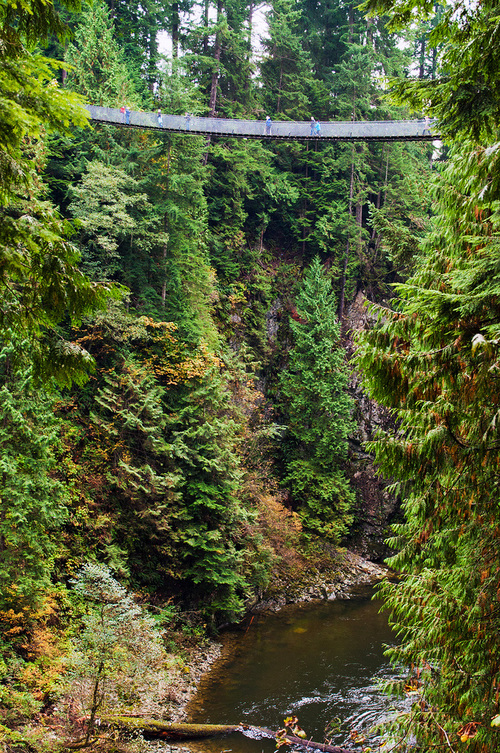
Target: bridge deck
359,130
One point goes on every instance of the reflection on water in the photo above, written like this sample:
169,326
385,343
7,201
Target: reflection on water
320,661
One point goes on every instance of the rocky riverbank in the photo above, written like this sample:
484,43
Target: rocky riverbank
350,570
184,684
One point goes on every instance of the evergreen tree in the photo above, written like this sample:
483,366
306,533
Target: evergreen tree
244,191
98,70
40,282
220,60
118,653
179,269
159,465
318,409
99,74
204,433
128,429
432,360
285,69
33,501
122,448
426,54
464,94
137,26
347,57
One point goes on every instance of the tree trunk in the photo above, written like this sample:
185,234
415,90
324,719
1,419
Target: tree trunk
175,30
185,731
251,8
152,59
215,74
307,744
95,702
206,10
304,208
380,202
278,103
346,256
217,54
359,224
421,67
169,730
165,228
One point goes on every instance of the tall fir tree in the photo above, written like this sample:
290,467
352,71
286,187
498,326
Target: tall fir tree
98,69
33,501
40,282
432,360
137,26
285,68
205,436
318,410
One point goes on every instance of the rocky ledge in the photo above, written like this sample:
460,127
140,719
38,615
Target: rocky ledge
349,571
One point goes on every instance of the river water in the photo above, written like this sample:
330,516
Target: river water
320,661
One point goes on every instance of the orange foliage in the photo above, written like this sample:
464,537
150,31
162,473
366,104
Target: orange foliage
176,366
279,525
22,620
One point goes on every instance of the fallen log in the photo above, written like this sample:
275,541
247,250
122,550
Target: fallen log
152,728
169,730
306,744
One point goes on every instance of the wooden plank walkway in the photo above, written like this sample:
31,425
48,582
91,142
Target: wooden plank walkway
359,130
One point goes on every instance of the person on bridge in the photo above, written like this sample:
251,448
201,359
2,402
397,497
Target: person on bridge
127,115
160,119
317,129
122,110
269,124
188,121
313,126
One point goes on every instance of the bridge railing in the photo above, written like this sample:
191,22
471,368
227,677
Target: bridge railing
342,130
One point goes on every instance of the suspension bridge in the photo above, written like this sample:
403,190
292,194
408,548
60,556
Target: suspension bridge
357,130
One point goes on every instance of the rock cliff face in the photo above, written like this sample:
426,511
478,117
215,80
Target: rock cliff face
376,507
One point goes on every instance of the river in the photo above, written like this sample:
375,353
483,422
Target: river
320,661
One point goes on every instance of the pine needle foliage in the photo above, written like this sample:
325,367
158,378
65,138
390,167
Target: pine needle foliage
98,70
465,93
434,361
205,433
318,410
40,282
31,21
32,501
118,656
